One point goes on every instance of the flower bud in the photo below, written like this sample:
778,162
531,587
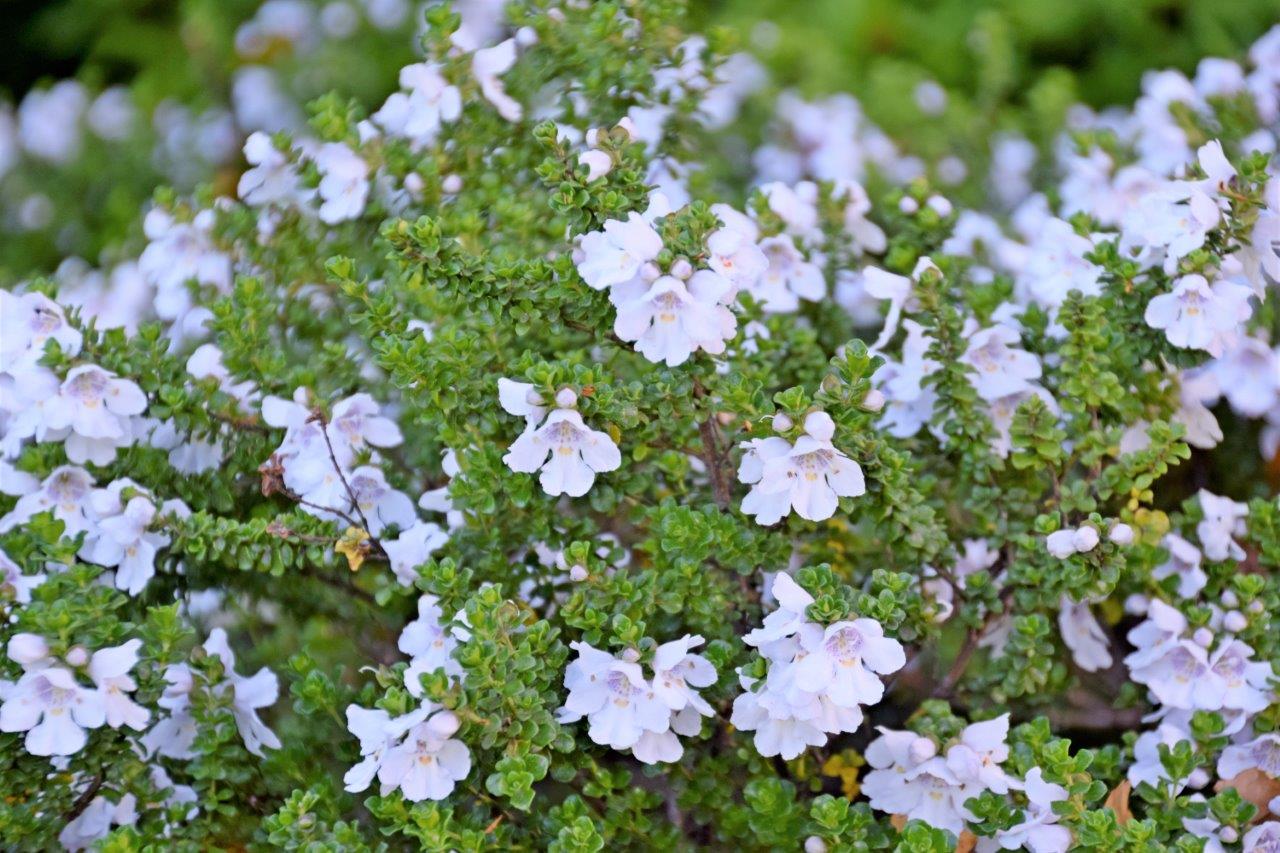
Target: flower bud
820,426
566,398
451,184
1061,543
874,401
1230,599
630,655
1235,621
781,422
908,205
1228,835
77,656
1121,534
1086,538
682,269
578,574
922,749
1203,637
1136,604
650,272
814,844
526,36
940,205
533,398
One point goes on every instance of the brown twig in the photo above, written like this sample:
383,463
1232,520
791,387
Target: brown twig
82,802
713,455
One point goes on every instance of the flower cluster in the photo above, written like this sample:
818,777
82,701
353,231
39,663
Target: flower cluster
625,710
819,677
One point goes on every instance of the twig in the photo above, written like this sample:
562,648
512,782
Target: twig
713,454
82,802
333,458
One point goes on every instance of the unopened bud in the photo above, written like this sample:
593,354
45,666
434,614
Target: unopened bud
1086,539
940,205
650,271
77,656
1121,534
682,269
820,426
782,422
1203,637
922,749
566,398
451,184
578,574
1235,622
908,205
874,401
814,844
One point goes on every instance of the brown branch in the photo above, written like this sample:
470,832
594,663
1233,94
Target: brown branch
82,802
713,455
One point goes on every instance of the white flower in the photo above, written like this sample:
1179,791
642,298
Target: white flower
15,584
809,476
487,65
178,252
272,178
27,322
122,539
1263,838
818,677
109,669
53,709
999,367
1072,540
95,822
96,406
577,453
344,182
1176,218
249,694
975,760
669,319
908,779
1083,635
909,403
1056,265
1183,563
430,645
374,729
1223,518
788,278
429,762
1246,682
614,696
1249,376
676,674
380,504
615,254
1039,831
65,493
866,235
411,549
844,662
733,250
419,114
1197,315
1261,753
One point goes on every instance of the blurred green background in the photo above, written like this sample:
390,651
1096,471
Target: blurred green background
181,47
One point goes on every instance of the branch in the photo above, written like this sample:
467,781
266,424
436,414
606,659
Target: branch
82,802
712,454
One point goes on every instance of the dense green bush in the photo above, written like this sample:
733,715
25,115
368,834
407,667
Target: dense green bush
599,438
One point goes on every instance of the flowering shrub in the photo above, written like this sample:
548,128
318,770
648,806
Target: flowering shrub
499,467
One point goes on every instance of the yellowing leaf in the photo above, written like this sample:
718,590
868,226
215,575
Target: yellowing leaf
354,546
1118,802
1256,787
